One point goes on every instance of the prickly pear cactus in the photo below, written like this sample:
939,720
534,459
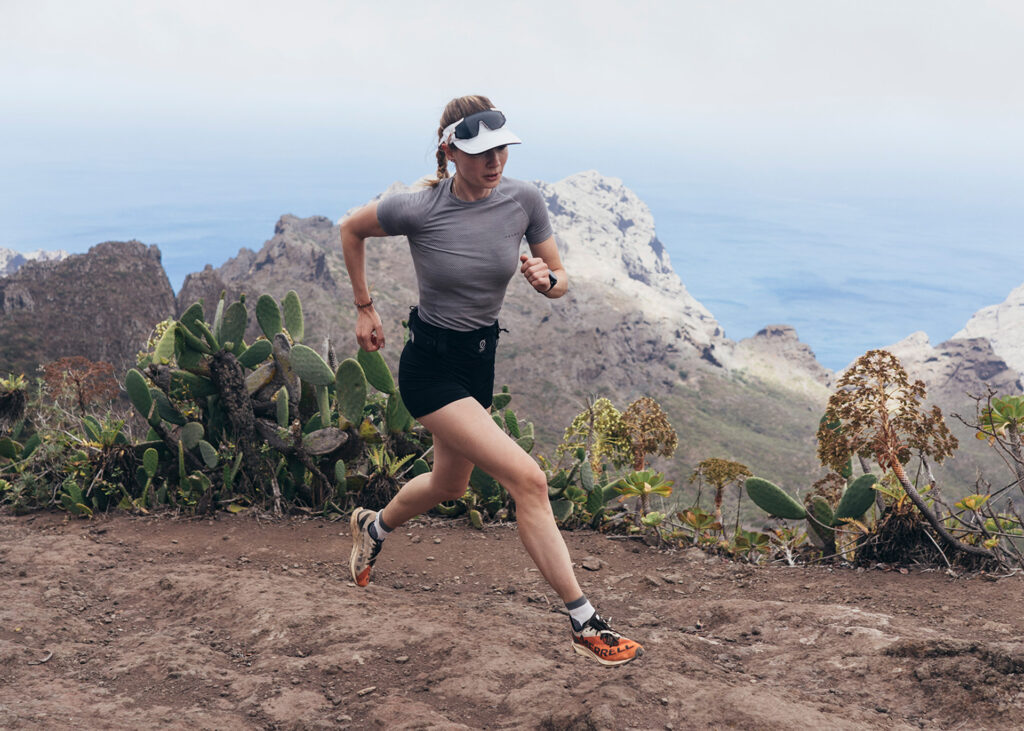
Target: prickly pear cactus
774,500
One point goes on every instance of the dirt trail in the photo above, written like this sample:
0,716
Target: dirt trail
233,623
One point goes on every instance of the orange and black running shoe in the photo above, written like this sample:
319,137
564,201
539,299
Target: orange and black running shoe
364,546
599,641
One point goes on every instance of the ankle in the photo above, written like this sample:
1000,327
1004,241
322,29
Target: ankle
580,612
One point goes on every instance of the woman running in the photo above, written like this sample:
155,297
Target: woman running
464,233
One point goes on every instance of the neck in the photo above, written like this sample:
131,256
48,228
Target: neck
467,193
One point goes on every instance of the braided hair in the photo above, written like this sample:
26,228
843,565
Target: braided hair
455,110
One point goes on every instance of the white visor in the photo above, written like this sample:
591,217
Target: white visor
485,139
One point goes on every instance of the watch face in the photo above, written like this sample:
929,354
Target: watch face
553,279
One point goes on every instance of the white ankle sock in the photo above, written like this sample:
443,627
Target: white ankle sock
377,530
580,611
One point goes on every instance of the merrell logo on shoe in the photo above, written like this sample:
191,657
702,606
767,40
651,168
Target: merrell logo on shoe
609,651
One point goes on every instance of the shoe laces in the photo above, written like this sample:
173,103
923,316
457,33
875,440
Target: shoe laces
606,633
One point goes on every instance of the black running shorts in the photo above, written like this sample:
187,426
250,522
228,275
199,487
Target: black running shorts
439,366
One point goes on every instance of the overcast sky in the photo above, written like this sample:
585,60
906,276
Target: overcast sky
841,78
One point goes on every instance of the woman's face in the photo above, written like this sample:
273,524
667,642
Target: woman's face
482,170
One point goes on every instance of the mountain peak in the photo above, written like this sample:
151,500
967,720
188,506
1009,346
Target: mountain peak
1002,325
606,234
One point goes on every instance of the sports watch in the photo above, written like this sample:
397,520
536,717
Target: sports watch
553,279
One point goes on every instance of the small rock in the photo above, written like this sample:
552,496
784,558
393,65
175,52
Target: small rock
402,659
437,540
415,539
429,558
654,580
591,563
366,691
603,717
343,719
663,701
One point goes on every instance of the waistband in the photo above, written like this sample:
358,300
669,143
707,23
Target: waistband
481,342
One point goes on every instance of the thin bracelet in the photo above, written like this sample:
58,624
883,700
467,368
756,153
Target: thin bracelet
363,307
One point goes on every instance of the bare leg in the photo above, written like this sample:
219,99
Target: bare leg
447,481
469,436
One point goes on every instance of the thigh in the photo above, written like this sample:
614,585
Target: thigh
450,467
468,430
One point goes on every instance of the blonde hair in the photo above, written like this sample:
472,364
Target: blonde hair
455,110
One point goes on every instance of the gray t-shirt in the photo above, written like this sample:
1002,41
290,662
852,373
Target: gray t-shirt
465,252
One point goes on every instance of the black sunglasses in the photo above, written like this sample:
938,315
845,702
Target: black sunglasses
469,127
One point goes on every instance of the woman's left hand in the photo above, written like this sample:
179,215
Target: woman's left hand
536,272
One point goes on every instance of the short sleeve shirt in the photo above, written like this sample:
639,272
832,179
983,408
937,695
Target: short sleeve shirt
465,252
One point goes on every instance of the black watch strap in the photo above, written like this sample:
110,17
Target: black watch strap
553,279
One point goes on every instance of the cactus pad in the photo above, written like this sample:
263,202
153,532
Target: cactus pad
350,390
293,316
397,415
774,500
310,367
281,399
138,391
236,318
150,462
858,497
376,370
324,441
191,433
255,354
210,456
268,315
562,509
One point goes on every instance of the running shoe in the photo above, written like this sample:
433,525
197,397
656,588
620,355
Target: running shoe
599,641
364,547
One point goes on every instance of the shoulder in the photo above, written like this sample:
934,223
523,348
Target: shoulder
419,194
403,212
520,190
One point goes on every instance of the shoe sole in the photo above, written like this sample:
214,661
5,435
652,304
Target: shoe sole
587,652
353,523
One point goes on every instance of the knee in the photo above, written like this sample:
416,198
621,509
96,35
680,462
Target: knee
450,491
533,485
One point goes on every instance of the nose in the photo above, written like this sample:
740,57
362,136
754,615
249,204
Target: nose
493,156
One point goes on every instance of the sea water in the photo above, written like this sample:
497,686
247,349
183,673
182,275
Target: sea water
849,272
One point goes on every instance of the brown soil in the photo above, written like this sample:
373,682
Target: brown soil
237,623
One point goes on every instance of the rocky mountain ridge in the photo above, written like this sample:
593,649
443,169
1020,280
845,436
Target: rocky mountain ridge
102,305
628,327
1003,326
11,261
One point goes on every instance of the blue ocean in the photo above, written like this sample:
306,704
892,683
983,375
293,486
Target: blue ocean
849,270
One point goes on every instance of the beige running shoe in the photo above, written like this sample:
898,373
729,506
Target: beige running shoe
364,547
599,641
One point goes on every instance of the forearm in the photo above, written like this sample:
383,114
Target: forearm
353,248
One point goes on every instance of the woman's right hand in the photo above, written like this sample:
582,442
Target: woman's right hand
369,330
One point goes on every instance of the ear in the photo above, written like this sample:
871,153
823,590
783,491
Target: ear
449,151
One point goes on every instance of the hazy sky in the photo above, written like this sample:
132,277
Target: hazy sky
857,126
796,77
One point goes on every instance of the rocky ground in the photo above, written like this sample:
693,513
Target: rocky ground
239,623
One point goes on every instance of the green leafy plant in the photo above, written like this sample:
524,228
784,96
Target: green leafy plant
1001,424
642,484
